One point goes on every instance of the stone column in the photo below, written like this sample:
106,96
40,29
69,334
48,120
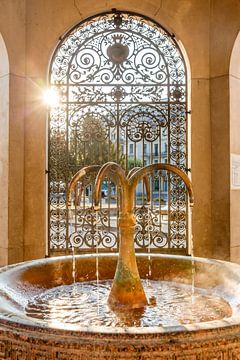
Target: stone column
4,145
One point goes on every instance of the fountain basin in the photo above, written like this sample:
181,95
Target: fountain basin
24,337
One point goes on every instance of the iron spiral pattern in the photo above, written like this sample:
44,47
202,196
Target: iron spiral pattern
122,87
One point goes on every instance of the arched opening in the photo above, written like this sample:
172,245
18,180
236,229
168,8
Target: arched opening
234,83
121,83
4,150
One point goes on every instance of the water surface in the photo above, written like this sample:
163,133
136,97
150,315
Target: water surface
85,304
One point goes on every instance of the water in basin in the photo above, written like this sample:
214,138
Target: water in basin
85,304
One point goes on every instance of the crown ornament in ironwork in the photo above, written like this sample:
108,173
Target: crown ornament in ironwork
117,20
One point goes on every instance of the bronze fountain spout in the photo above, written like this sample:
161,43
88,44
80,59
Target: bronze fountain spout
127,290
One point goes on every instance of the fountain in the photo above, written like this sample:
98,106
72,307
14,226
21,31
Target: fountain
127,289
186,308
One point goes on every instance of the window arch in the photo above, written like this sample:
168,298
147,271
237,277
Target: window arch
122,83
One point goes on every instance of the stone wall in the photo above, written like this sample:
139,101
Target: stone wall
12,29
4,145
224,28
234,83
207,29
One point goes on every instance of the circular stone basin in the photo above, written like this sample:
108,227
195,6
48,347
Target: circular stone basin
196,315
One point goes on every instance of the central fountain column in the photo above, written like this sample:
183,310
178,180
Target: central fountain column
127,289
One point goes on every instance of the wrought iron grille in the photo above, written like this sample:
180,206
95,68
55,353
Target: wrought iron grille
121,81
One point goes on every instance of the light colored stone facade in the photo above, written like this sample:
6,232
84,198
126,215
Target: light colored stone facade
207,29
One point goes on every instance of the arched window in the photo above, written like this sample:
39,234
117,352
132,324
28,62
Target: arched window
121,80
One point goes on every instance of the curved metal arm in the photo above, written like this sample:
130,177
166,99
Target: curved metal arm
145,180
139,174
81,173
107,169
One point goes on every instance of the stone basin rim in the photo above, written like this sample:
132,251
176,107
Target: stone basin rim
38,325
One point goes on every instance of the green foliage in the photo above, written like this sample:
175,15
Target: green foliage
134,163
88,144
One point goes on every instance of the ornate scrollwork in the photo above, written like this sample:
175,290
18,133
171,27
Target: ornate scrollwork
143,123
147,230
90,230
121,80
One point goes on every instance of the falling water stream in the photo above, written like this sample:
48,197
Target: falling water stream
96,234
73,265
193,270
149,243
